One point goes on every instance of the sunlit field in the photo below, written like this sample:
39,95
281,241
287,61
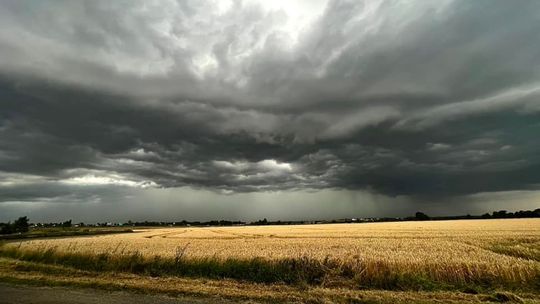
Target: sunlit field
502,252
402,242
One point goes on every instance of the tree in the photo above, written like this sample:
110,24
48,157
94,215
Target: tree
420,216
500,214
66,224
6,228
21,224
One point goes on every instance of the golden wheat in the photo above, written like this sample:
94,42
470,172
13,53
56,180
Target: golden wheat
450,250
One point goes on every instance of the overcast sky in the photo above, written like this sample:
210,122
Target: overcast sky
198,110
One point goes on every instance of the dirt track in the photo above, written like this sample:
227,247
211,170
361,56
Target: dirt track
18,294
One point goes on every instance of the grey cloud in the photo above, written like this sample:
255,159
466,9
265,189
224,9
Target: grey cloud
411,98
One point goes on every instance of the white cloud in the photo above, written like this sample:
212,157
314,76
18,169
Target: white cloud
106,179
437,146
273,165
16,179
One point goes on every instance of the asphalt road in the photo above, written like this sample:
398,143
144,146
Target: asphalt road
19,294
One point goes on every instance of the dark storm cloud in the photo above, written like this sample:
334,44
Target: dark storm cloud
409,98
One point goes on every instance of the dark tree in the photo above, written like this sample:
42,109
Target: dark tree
21,224
6,228
500,214
420,216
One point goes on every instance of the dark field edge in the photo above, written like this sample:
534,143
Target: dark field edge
292,271
92,280
61,233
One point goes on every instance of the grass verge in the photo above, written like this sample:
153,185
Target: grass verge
30,273
357,274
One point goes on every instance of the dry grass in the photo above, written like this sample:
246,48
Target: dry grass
489,252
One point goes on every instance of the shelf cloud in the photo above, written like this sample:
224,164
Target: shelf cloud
415,101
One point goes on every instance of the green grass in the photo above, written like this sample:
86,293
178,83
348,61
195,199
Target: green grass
296,271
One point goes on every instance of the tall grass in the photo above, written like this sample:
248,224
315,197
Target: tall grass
355,273
257,269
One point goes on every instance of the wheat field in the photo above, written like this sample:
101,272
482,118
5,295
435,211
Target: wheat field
432,241
505,250
461,261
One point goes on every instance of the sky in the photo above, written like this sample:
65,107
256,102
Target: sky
242,110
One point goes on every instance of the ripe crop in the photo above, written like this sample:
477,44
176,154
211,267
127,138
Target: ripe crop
487,252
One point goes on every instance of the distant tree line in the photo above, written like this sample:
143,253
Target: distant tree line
66,224
184,223
420,216
517,214
22,225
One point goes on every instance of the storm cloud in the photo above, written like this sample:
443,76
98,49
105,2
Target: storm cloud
419,101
